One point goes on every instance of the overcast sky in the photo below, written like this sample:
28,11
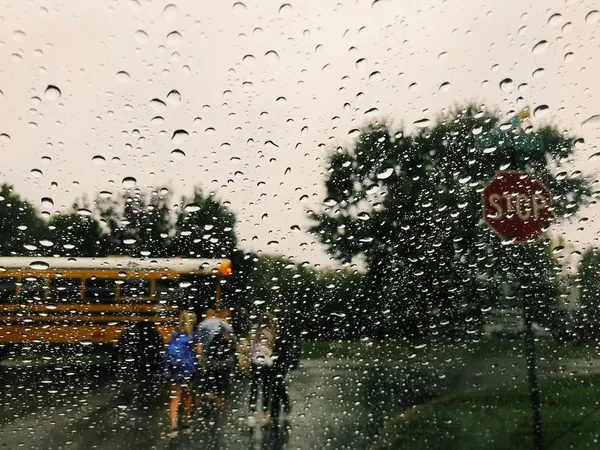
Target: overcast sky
263,87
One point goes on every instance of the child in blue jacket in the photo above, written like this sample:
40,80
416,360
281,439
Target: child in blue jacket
179,366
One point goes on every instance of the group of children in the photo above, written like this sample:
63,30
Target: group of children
200,362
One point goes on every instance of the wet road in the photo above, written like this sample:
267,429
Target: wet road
82,403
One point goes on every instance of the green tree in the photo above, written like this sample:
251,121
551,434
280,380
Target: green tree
139,224
21,227
204,228
410,204
74,234
588,316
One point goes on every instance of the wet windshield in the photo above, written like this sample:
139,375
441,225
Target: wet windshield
360,224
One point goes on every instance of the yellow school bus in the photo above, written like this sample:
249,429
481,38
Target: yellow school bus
126,302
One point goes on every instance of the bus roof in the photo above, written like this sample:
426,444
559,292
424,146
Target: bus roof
124,263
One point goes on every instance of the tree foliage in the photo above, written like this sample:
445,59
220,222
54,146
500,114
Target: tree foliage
410,204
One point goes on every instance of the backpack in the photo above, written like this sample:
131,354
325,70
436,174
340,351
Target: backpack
179,360
220,350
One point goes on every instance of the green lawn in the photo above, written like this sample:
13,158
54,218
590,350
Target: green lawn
500,418
447,351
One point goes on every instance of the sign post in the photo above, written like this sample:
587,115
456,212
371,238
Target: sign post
517,207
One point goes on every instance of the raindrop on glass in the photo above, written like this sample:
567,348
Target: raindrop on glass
174,97
129,182
4,137
174,38
192,207
37,173
179,136
84,212
540,47
506,85
239,9
170,12
540,111
98,160
39,265
141,36
52,93
123,77
47,202
445,87
158,105
178,154
285,10
555,20
591,122
592,17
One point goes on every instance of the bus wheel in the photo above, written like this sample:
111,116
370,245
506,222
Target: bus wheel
139,349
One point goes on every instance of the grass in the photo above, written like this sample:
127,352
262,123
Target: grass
499,417
443,351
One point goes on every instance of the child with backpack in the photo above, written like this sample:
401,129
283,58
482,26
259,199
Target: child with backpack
262,343
180,366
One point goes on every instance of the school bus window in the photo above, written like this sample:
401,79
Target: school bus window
99,289
8,288
33,288
167,291
65,289
135,287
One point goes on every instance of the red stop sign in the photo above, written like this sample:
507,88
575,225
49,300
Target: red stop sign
516,205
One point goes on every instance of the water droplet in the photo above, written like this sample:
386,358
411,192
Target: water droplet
421,123
539,73
595,155
540,47
84,212
285,10
248,60
239,9
158,105
129,182
52,93
385,174
47,202
591,122
98,160
413,86
170,12
443,56
174,97
180,136
375,76
4,137
178,154
273,244
281,100
372,112
592,17
445,87
129,241
272,145
540,111
361,63
555,20
174,38
272,56
123,77
37,173
192,207
506,85
141,36
39,265
569,57
105,194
